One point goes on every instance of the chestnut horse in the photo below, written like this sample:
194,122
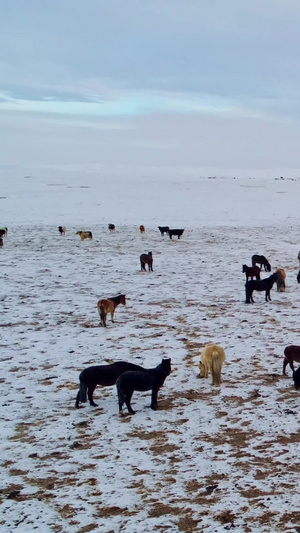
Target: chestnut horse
251,272
291,354
281,275
108,305
211,361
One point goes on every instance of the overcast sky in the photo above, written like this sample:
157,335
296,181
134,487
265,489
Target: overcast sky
150,83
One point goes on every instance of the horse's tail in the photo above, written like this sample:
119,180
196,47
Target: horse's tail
82,394
121,395
102,314
216,367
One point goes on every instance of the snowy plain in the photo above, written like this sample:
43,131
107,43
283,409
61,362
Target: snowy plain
211,459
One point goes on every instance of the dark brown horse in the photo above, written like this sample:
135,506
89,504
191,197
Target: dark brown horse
105,375
251,272
146,259
108,305
262,261
291,354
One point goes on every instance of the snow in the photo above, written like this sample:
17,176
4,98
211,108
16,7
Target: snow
211,458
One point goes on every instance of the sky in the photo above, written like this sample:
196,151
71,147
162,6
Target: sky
135,86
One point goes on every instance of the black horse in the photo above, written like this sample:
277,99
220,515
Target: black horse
151,379
163,229
262,261
106,375
260,285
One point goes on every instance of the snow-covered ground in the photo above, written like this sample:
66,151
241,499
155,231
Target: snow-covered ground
211,458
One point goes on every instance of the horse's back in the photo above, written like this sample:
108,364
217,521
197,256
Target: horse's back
107,374
136,380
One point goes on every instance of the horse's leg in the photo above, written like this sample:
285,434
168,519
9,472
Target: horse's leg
154,404
112,315
285,362
128,396
292,365
91,389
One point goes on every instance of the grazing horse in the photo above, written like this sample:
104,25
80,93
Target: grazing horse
263,262
146,259
211,360
105,375
108,305
163,229
62,230
84,235
152,379
281,276
176,232
291,353
111,227
142,228
3,232
251,272
259,285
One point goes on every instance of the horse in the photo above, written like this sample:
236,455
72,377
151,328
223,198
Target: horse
3,232
211,360
163,229
260,285
105,375
176,232
263,261
251,272
291,353
142,228
146,259
108,305
62,230
84,234
152,379
111,227
281,276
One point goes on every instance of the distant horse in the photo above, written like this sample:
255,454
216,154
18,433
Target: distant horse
262,261
175,232
84,235
211,361
105,375
251,272
108,305
163,229
281,276
291,353
3,232
298,277
111,227
152,379
259,285
142,228
146,259
62,230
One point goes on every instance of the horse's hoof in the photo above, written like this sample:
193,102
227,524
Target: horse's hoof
93,404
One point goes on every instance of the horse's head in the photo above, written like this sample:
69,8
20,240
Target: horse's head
123,299
166,365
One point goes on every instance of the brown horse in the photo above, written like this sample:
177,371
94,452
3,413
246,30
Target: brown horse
281,275
262,260
251,272
108,305
146,259
142,228
291,354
